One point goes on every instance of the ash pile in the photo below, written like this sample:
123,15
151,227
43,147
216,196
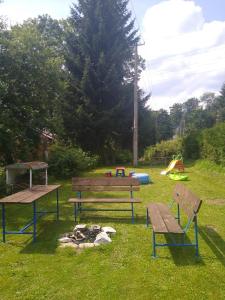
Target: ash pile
87,237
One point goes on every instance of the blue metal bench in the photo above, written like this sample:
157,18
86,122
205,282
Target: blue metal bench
110,184
163,221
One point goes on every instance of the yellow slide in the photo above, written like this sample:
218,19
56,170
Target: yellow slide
170,167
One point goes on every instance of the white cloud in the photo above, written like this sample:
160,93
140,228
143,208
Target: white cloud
16,11
185,55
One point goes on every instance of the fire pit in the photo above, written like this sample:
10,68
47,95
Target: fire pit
87,237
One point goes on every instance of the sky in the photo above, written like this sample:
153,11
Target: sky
184,43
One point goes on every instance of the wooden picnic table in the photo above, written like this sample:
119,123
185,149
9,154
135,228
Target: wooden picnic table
29,196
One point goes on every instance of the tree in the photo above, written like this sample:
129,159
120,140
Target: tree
163,125
31,76
100,43
176,114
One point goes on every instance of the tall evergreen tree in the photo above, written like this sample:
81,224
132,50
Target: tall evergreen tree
100,44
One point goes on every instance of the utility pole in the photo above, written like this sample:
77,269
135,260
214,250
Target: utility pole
135,125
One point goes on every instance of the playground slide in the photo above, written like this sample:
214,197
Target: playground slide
170,167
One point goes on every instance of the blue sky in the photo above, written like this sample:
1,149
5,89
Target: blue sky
184,43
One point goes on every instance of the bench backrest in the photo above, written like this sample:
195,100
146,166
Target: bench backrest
105,184
187,200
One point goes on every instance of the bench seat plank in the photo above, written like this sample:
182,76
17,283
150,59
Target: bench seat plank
162,219
125,181
104,200
157,222
104,188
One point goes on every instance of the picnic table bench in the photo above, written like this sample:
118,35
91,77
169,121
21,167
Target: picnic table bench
29,196
163,221
109,184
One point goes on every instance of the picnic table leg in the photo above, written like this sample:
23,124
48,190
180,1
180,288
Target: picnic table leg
147,221
34,221
75,212
196,236
57,204
132,208
3,222
153,242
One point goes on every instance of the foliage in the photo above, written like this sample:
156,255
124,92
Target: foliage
213,146
163,125
2,181
192,145
67,161
99,105
209,167
31,89
163,149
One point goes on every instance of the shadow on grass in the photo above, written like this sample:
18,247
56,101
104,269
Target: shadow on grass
182,256
47,237
214,241
84,218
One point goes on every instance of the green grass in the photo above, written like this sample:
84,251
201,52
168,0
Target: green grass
123,269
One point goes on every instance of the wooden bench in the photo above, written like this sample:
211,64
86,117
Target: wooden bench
163,221
29,196
109,184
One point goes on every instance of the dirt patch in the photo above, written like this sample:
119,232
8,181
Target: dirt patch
216,202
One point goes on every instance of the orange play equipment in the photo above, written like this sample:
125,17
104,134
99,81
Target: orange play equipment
176,163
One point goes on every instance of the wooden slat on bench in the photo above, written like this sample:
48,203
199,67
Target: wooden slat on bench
104,200
162,220
186,200
169,220
157,222
80,188
125,181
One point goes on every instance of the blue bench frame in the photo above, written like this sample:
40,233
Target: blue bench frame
177,195
98,185
33,222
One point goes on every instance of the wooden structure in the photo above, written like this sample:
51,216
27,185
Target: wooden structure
179,165
29,196
20,168
163,221
115,184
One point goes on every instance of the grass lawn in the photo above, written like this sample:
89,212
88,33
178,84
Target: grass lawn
123,269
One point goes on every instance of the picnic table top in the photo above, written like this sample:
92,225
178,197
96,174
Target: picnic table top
29,195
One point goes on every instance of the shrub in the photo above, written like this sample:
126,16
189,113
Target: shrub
213,144
67,161
163,149
2,181
192,145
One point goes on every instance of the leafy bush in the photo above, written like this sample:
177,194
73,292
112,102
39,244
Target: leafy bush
163,149
2,181
192,145
209,166
67,161
123,156
213,144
